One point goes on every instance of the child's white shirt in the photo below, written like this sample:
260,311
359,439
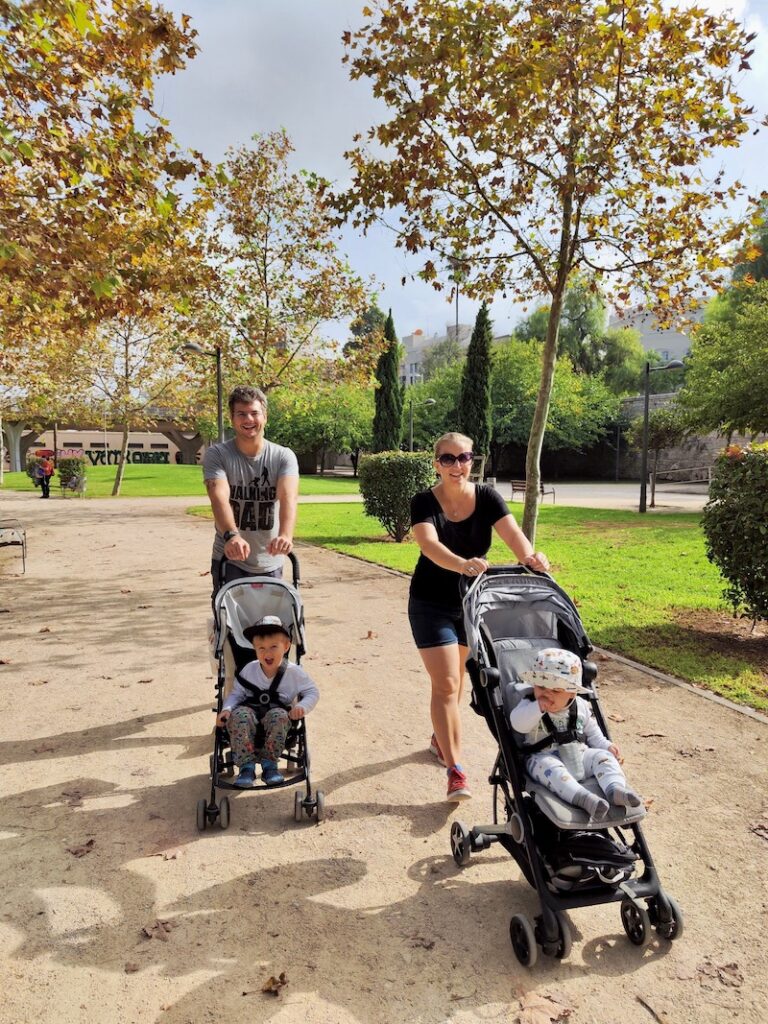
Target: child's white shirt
296,687
526,718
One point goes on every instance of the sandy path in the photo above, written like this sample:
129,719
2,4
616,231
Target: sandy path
105,736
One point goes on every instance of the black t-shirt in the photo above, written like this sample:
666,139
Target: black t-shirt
469,538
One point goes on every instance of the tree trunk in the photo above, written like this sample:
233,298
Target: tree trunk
539,424
121,464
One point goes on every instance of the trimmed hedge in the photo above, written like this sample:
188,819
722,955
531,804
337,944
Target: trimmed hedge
71,466
735,523
388,481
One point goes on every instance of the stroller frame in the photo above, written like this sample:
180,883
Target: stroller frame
551,930
296,751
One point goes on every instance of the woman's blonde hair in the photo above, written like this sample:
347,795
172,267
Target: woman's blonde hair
453,438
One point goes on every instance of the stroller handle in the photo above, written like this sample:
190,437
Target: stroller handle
292,558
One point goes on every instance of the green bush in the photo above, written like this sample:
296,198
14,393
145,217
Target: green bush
735,523
71,466
388,481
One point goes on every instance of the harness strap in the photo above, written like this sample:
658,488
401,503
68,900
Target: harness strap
263,700
555,735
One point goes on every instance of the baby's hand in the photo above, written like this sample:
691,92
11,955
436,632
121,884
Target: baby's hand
613,749
296,713
223,718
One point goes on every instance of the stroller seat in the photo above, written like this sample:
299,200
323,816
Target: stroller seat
565,816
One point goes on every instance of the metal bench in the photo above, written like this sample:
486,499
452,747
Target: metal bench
519,485
13,534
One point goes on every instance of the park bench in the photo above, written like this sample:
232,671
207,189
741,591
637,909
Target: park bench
519,485
75,485
13,534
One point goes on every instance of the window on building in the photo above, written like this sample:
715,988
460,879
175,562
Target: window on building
135,444
164,447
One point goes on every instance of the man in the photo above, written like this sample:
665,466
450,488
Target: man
253,487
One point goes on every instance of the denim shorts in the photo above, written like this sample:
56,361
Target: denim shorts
434,625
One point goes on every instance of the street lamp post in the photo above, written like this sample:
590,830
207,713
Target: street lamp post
192,346
675,364
427,401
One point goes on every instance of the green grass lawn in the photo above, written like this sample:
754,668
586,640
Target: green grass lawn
159,481
638,583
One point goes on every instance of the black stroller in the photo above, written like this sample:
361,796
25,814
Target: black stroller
510,613
239,604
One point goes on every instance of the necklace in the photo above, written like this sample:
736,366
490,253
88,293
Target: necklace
457,511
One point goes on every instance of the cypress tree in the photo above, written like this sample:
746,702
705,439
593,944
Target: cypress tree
475,396
388,418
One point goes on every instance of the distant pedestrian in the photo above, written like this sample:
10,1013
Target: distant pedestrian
44,470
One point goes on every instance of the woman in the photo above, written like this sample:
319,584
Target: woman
453,523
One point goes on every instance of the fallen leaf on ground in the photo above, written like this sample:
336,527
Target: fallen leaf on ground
143,605
208,573
44,748
146,680
273,984
168,854
654,689
38,682
5,611
125,590
652,735
81,851
617,718
159,930
73,797
542,1008
760,828
419,940
131,968
727,974
649,802
3,661
45,629
370,635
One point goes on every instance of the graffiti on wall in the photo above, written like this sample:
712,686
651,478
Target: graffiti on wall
111,457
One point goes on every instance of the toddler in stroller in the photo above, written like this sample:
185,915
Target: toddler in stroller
260,608
519,622
562,739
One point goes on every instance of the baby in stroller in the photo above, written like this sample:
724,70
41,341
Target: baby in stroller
268,694
563,741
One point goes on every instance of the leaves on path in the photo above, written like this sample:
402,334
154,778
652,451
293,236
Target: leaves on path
370,635
125,590
760,828
73,797
131,968
274,984
653,735
5,661
727,974
542,1008
38,682
82,850
419,940
617,718
45,629
44,748
145,680
161,929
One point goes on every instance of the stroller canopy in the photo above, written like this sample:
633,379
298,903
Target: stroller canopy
508,601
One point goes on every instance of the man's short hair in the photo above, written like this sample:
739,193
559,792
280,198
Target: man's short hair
247,395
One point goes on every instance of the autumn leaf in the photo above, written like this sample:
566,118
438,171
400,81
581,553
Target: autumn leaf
273,984
83,850
542,1008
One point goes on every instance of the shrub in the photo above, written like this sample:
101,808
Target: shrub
71,466
388,481
735,525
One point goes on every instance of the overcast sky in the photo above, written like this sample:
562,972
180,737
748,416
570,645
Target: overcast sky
267,64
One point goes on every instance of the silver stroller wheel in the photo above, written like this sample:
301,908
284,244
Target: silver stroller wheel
319,805
523,940
461,847
636,922
298,807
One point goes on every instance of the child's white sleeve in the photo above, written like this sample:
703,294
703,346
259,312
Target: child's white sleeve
307,691
526,716
593,734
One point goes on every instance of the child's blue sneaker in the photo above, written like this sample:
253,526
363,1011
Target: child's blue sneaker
247,775
270,774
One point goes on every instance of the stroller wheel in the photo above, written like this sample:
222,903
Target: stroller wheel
298,808
523,940
202,815
636,922
460,844
565,943
319,805
224,812
673,928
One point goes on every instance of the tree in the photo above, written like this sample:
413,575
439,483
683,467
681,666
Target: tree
278,274
666,429
475,399
753,263
367,330
440,355
726,387
540,139
81,143
388,418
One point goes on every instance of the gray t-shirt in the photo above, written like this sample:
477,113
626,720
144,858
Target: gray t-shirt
252,496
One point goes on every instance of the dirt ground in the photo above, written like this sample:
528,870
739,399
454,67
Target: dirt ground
104,743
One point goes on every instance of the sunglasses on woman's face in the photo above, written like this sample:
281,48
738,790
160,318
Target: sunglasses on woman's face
447,459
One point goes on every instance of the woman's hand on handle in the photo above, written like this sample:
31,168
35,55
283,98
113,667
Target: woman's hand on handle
474,567
538,561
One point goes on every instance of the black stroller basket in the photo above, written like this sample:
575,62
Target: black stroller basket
510,613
